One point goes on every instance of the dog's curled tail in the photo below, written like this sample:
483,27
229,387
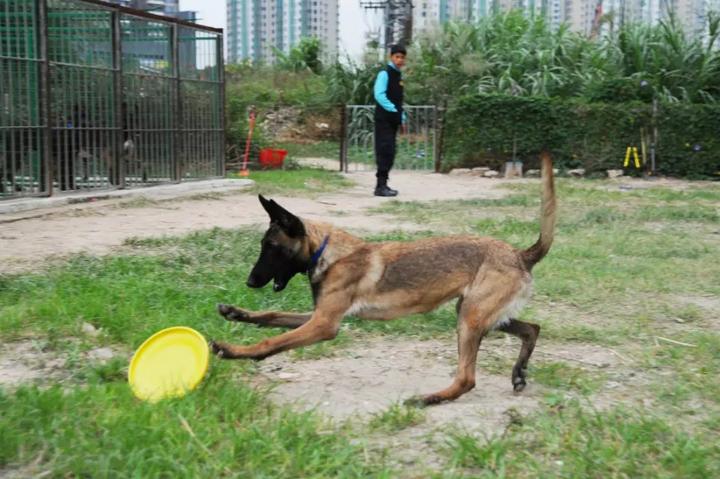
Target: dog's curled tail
536,252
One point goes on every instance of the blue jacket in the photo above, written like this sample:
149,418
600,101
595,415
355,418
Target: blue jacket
380,92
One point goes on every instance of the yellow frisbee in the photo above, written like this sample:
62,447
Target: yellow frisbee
169,363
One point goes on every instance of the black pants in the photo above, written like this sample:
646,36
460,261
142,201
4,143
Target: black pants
385,133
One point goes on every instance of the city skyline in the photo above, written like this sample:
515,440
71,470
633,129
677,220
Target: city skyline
355,24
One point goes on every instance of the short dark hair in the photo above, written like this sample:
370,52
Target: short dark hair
398,48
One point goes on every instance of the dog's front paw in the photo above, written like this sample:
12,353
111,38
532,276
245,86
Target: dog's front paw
422,401
231,313
218,349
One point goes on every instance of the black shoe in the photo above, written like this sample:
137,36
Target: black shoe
383,190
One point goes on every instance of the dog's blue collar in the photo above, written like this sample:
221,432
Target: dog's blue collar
317,254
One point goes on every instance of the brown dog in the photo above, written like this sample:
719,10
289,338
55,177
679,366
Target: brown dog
387,280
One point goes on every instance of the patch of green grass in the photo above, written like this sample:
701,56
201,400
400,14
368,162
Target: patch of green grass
565,377
688,212
570,441
305,181
610,258
672,195
222,429
396,418
695,367
132,296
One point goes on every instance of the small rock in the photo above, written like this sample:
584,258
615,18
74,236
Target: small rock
101,354
479,171
577,172
615,173
89,329
532,173
491,174
459,171
288,375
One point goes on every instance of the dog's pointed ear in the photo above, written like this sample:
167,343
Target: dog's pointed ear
288,222
266,204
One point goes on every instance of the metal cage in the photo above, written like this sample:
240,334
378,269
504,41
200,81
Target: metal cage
97,96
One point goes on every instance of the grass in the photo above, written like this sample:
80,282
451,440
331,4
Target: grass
608,245
396,418
304,182
619,264
99,430
565,377
225,429
570,441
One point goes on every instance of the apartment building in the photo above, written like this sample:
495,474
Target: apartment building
161,7
578,14
255,28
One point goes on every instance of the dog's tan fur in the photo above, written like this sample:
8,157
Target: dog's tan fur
387,280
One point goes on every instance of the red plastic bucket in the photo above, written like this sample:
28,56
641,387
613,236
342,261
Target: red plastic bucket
272,158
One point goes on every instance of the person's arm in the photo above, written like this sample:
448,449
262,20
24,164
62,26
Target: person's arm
380,92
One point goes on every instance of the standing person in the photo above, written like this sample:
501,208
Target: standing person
389,115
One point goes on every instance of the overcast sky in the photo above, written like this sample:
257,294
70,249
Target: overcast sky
353,21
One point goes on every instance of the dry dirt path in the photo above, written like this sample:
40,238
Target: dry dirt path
30,238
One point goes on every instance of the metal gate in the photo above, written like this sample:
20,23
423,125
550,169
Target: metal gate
417,147
21,121
95,96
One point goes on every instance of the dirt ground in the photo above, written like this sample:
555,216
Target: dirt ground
368,375
101,227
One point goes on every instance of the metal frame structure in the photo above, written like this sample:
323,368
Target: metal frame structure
417,148
96,96
398,19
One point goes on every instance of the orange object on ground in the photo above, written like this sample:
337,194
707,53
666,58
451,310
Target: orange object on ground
244,171
271,158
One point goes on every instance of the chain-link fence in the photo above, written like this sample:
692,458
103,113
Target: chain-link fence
93,95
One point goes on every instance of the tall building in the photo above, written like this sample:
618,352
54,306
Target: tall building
578,14
170,8
255,28
161,7
692,14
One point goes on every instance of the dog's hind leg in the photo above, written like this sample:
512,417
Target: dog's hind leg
528,333
269,319
470,334
479,310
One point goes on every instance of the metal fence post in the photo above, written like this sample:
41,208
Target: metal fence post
177,116
221,86
438,121
118,169
41,8
343,139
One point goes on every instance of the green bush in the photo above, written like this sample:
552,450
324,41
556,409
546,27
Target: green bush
483,130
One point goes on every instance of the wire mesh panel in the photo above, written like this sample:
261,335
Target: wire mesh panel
21,125
148,101
415,147
82,111
110,97
201,93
